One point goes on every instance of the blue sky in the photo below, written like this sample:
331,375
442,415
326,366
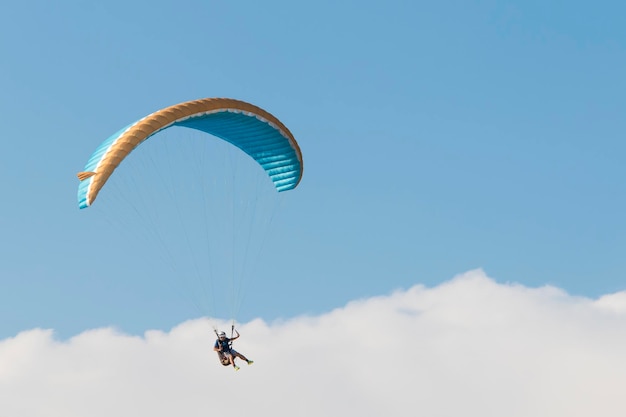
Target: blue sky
437,138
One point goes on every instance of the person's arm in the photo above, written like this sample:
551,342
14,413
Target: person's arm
217,347
236,337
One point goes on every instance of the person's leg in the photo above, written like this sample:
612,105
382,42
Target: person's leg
231,359
239,355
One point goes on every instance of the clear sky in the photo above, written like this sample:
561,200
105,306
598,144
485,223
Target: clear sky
438,138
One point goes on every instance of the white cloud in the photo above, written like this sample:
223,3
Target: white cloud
468,347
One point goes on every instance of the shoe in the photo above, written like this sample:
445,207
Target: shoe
250,362
236,368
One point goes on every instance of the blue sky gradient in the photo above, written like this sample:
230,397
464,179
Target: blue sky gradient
437,138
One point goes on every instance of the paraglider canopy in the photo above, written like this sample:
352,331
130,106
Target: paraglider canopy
192,201
250,128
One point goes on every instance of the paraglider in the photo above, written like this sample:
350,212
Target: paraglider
254,131
225,352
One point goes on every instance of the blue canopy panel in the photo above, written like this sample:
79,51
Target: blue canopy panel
257,138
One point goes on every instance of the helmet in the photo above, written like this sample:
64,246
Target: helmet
222,334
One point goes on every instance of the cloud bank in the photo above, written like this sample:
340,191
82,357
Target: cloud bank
468,347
